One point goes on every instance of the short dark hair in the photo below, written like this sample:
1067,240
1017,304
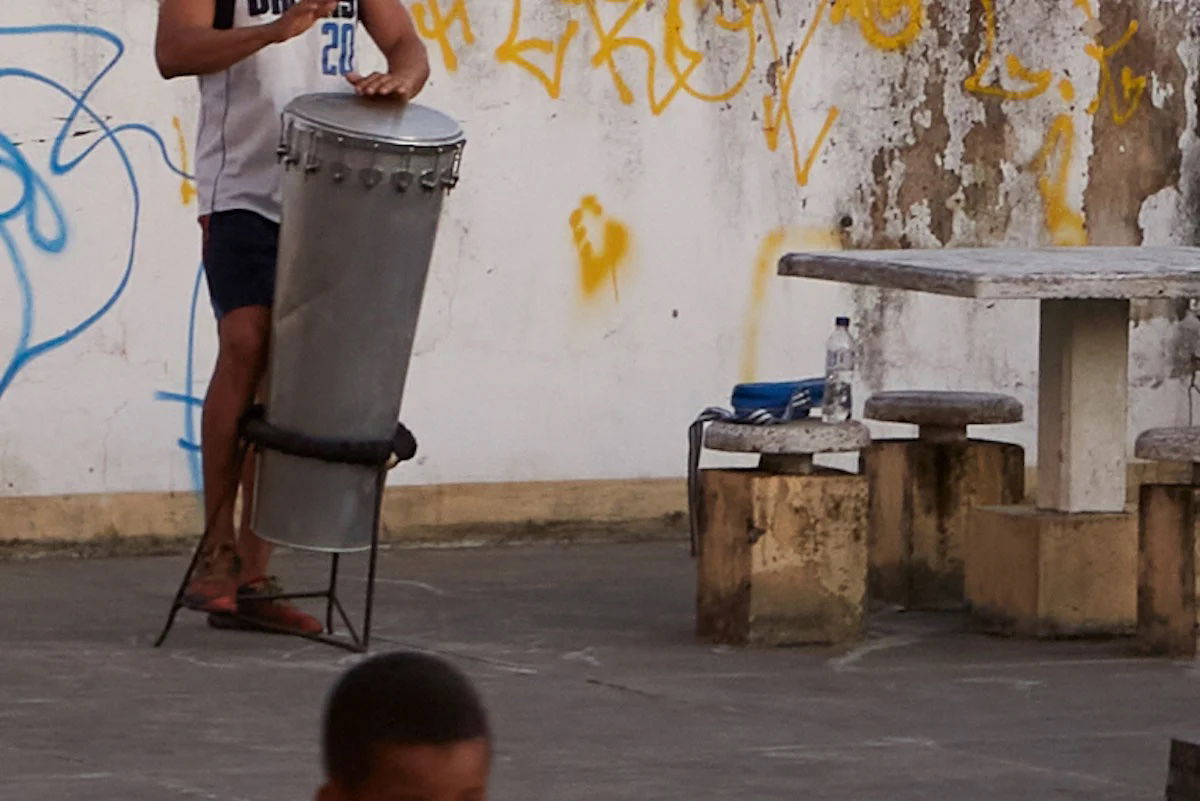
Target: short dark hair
396,699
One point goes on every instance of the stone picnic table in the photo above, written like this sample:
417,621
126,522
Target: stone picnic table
1078,548
1083,341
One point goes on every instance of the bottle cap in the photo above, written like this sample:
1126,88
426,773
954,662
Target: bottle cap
844,322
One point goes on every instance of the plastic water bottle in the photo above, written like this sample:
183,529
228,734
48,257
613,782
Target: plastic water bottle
839,373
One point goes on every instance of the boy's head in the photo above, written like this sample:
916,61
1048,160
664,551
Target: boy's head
405,727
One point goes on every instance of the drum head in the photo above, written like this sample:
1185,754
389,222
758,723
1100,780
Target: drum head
376,120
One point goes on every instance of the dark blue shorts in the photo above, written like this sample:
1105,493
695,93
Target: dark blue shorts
240,252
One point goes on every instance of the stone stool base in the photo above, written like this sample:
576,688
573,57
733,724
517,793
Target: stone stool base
1039,573
782,558
922,493
1166,593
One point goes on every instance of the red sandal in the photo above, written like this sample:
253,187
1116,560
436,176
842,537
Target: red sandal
213,588
257,611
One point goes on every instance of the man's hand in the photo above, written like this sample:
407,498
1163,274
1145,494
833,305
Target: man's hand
300,17
392,28
386,85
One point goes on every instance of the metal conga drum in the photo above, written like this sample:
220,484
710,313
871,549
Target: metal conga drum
363,184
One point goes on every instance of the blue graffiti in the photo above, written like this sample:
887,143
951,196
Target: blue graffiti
38,212
190,443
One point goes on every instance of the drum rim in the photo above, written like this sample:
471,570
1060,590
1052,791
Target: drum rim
298,116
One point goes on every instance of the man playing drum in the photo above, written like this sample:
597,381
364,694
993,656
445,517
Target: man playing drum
253,57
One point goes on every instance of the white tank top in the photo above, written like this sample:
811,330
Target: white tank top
236,162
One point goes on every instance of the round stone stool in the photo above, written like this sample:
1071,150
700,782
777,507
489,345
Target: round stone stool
944,416
1167,547
788,448
1180,444
924,491
782,549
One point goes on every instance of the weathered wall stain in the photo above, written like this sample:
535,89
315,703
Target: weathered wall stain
773,246
1107,147
881,334
912,178
1136,144
1031,82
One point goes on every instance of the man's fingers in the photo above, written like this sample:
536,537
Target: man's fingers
380,87
363,85
371,85
391,88
378,84
359,82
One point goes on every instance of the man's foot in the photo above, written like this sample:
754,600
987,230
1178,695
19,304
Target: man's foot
255,607
213,587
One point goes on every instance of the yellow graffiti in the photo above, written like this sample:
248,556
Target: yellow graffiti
885,24
598,266
1053,165
773,246
513,50
1132,87
776,115
674,48
682,61
434,24
187,189
1038,80
609,42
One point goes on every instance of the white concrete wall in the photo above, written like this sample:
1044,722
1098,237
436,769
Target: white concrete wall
535,362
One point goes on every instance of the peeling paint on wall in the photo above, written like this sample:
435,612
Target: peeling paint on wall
1136,145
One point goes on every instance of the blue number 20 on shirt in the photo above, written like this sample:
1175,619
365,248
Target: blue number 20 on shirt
337,56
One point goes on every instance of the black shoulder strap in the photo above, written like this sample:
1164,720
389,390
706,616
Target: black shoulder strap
223,19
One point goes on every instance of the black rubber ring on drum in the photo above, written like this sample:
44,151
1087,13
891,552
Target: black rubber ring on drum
257,431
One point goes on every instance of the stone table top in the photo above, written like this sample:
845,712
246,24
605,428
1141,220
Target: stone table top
1011,273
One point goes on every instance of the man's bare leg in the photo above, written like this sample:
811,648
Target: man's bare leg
256,589
241,362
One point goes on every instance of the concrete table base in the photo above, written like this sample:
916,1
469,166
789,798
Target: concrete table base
1037,573
922,494
1082,405
782,558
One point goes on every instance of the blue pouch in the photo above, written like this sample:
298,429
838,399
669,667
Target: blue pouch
782,400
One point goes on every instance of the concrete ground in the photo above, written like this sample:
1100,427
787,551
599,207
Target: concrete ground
597,689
